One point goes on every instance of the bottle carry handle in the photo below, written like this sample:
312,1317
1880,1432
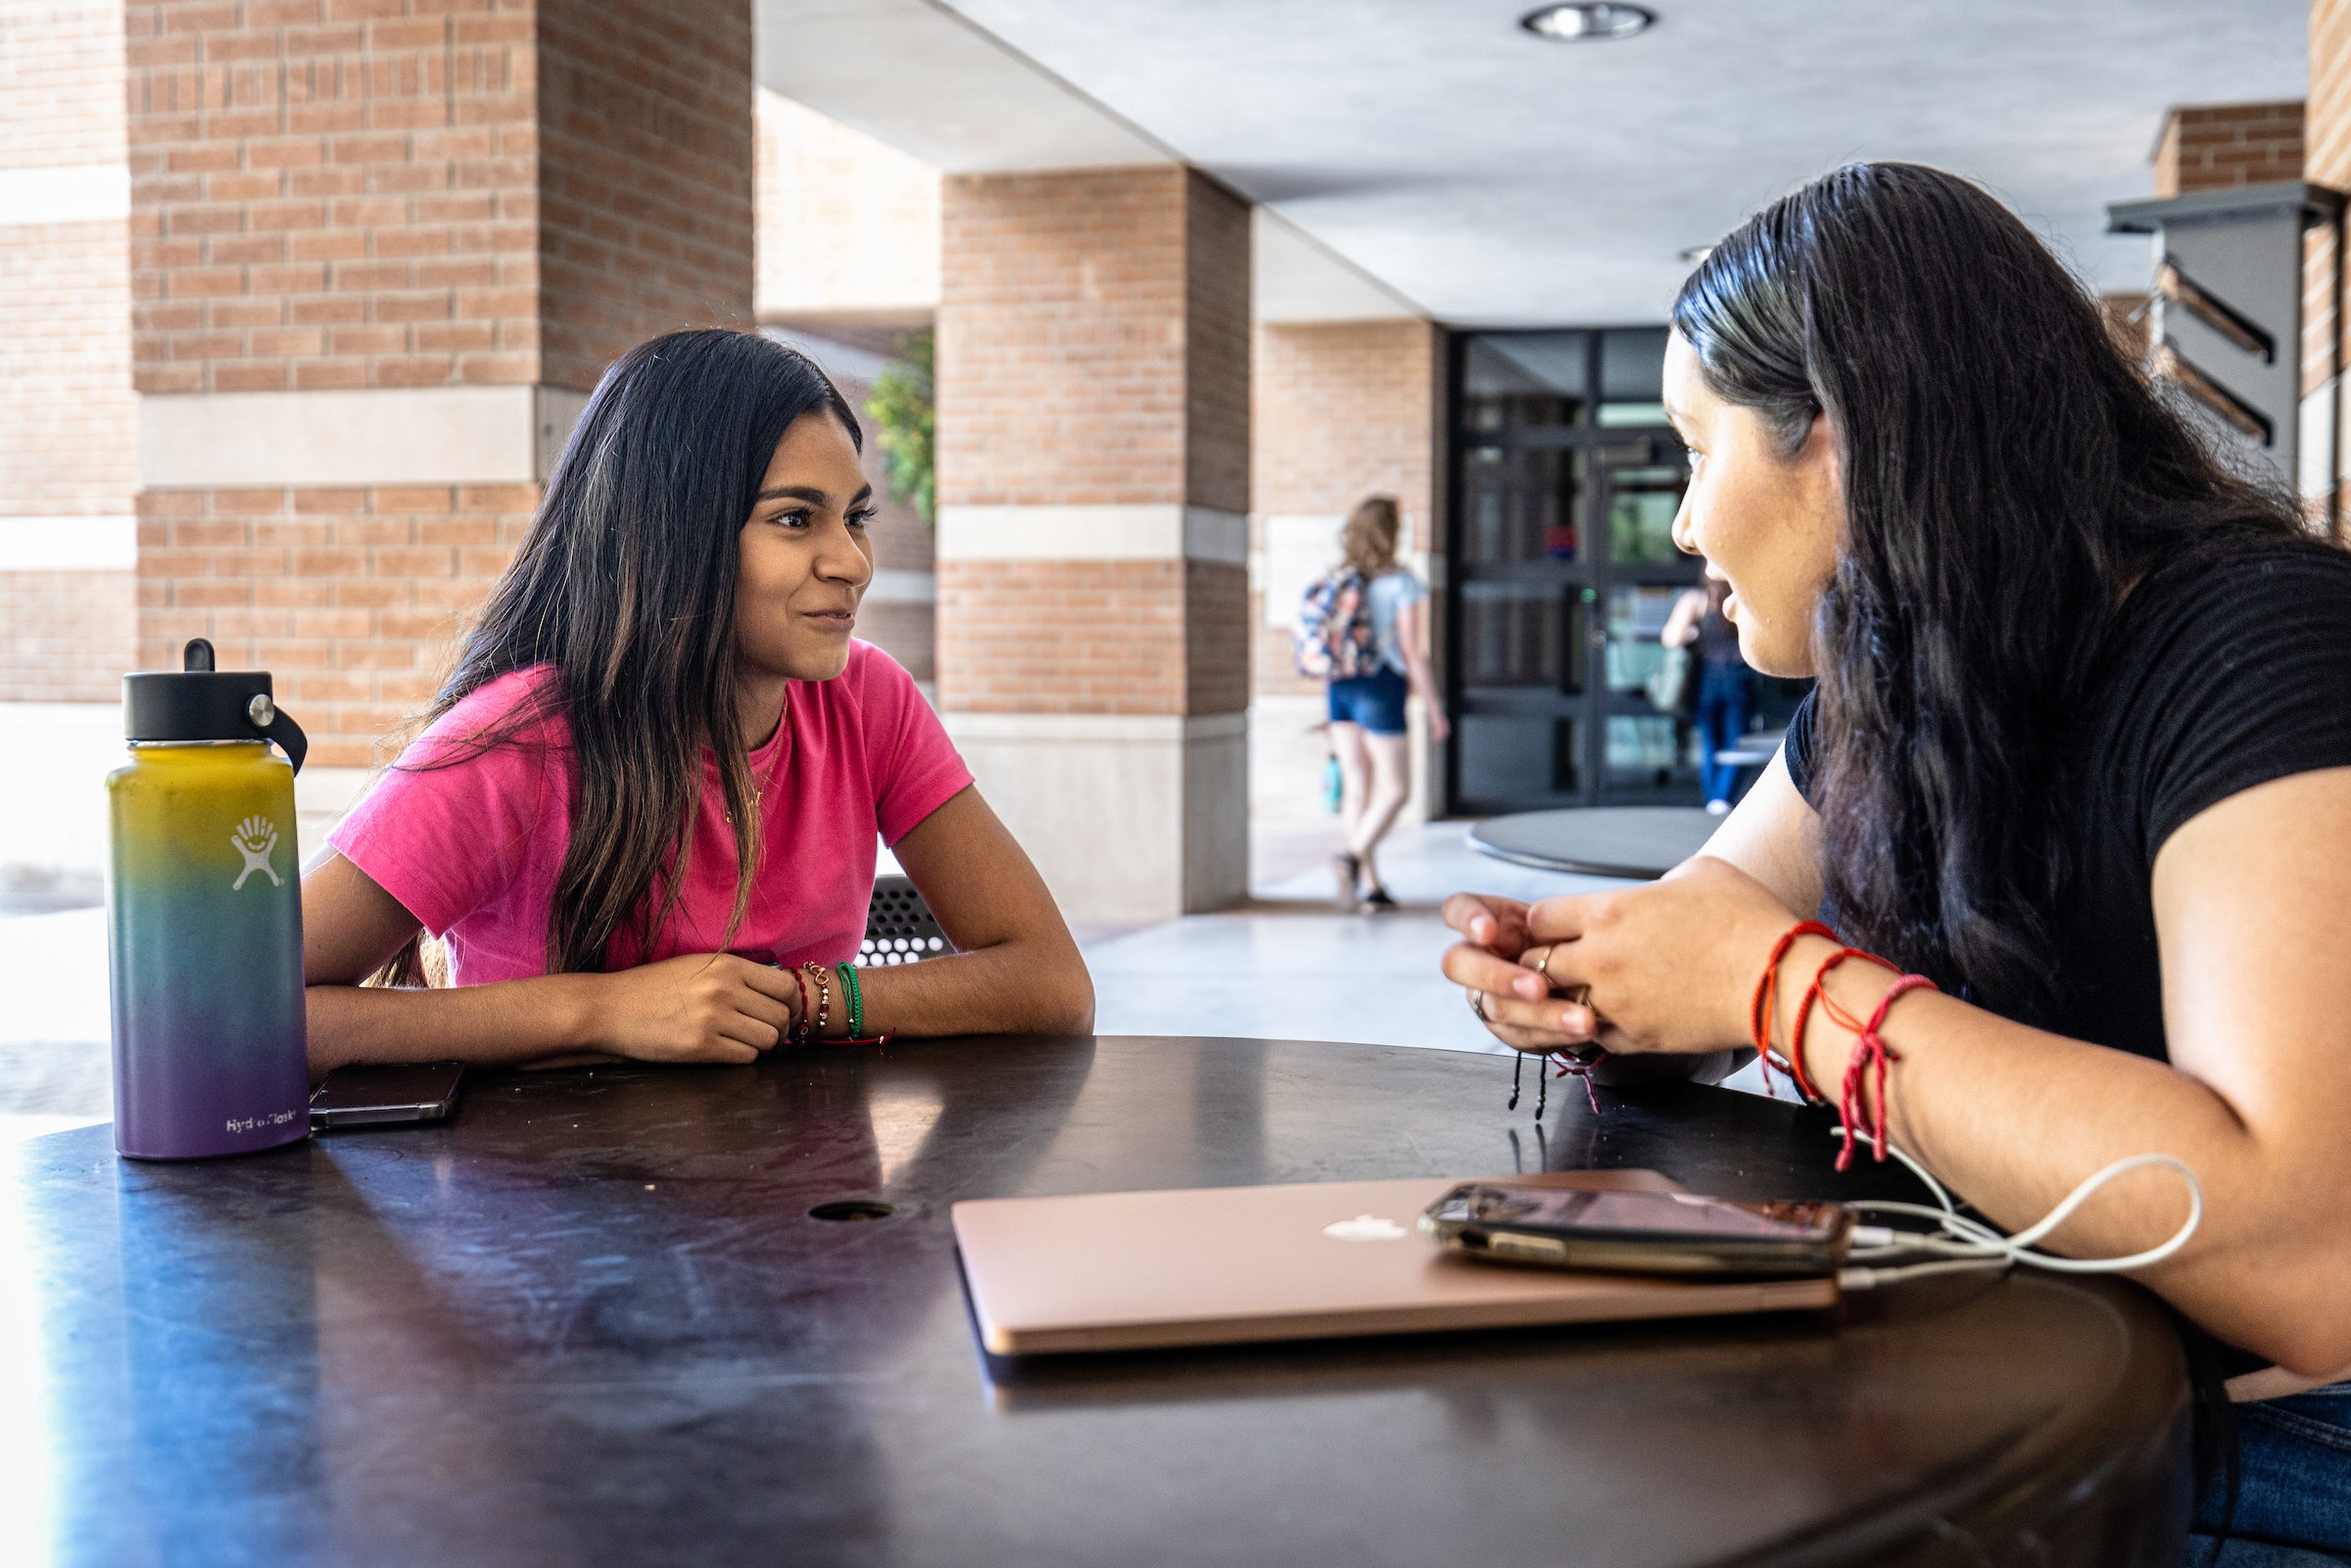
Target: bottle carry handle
289,736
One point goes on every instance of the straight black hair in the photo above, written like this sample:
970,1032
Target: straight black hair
2008,473
625,584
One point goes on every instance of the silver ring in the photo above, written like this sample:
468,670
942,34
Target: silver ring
1478,1005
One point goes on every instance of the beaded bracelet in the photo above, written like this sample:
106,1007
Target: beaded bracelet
824,1001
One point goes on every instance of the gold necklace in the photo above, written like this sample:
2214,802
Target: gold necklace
759,786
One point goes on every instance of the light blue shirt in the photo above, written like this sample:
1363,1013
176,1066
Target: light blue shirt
1391,592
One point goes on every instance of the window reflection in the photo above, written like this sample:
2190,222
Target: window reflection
1520,504
1641,506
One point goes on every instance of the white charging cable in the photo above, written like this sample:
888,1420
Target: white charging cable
1969,1244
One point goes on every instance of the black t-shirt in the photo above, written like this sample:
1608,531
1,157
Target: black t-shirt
2221,674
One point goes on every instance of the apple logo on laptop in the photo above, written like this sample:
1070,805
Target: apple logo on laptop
1364,1227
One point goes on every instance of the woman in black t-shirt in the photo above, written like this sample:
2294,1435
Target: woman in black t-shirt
2079,753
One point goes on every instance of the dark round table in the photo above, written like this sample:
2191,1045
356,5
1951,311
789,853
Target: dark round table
589,1320
1646,842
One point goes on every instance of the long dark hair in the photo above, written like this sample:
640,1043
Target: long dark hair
2008,474
626,586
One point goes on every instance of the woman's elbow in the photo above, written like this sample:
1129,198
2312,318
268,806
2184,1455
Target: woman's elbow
1060,995
1074,999
2317,1346
2295,1315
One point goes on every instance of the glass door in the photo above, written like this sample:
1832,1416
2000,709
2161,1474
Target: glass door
1561,571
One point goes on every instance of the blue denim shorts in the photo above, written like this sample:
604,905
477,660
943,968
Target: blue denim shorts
1374,701
2293,1495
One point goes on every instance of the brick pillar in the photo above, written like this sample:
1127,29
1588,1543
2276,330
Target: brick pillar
381,251
67,439
1341,410
2327,160
1093,483
2220,146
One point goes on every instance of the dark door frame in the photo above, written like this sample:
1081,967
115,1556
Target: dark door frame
1592,570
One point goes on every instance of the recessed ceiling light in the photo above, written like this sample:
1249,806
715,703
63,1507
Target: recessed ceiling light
1587,20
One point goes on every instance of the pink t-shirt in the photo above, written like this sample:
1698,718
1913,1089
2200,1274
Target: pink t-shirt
474,849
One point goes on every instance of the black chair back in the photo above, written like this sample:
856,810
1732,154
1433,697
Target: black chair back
899,927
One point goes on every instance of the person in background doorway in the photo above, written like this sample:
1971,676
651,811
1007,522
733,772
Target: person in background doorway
1726,687
1367,712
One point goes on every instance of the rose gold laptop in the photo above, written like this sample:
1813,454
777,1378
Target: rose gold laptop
1225,1265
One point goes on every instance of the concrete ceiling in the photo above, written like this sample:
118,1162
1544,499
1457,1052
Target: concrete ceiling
1429,152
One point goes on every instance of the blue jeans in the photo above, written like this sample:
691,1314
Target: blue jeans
1726,702
1376,701
2294,1496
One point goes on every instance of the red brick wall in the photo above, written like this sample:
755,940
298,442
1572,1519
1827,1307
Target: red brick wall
64,73
1093,349
335,194
1217,348
1343,410
66,636
2326,125
645,174
1215,629
2229,144
1062,636
1092,636
1069,304
2327,160
352,597
1347,410
67,419
69,423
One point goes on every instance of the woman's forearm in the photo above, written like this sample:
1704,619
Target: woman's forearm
2014,1117
1027,986
499,1024
1423,680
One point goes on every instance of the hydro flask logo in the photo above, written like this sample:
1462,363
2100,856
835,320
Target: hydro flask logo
254,838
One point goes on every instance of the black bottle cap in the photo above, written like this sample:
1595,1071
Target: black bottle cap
202,704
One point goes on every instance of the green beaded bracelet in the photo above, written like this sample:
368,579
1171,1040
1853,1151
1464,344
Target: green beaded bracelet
856,1000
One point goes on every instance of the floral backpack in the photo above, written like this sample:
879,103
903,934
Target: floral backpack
1333,639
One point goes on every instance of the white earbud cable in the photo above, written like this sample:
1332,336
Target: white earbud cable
1969,1244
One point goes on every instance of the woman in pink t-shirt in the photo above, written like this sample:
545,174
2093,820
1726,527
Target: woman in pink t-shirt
670,655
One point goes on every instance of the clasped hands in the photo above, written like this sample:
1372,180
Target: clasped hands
1667,967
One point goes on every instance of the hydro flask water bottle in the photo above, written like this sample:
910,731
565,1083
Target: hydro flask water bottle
204,918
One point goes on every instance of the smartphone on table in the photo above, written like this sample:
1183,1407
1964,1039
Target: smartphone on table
1639,1232
357,1097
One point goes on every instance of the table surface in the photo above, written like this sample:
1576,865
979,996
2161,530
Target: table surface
589,1320
1597,841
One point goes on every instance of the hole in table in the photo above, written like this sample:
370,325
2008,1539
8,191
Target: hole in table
850,1209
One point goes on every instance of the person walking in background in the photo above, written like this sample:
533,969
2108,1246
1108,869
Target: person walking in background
1360,629
1726,687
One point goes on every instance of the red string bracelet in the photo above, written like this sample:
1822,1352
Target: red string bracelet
801,1033
1766,998
1803,1013
1869,1050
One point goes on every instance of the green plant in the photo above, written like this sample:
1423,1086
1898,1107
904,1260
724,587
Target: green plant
905,424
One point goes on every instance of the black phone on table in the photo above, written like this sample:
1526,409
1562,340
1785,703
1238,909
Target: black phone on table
1639,1232
357,1097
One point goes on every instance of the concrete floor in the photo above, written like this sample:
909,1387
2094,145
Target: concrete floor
1286,966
